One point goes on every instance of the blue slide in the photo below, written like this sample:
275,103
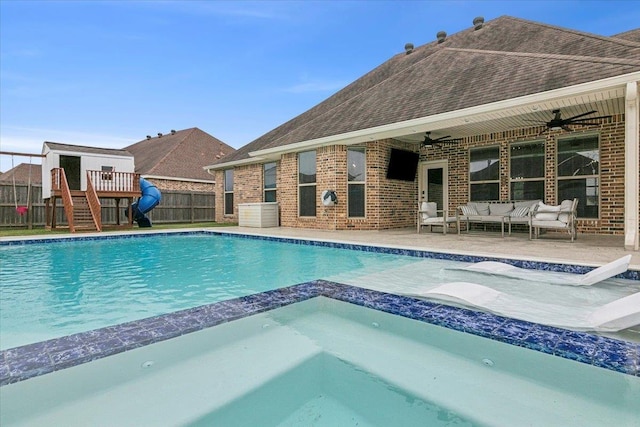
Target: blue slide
150,198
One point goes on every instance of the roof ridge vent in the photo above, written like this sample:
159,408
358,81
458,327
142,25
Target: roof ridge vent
159,134
408,48
441,36
478,22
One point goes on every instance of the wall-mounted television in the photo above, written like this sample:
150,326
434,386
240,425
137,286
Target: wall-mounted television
402,165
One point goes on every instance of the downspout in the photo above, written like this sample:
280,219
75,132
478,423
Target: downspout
631,172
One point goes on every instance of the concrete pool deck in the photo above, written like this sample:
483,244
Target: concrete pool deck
590,250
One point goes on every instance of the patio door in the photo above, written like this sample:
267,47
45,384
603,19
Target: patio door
433,184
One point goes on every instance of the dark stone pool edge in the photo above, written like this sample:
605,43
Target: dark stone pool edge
419,253
29,361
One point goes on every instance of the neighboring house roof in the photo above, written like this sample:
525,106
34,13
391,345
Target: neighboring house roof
87,150
508,58
178,154
21,174
631,35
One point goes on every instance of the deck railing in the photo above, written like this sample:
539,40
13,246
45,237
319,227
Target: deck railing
114,182
67,200
94,204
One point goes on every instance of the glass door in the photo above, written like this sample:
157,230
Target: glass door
433,183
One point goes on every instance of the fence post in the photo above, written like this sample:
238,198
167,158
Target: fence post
192,208
29,207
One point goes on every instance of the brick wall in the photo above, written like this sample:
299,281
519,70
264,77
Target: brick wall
611,219
393,203
167,184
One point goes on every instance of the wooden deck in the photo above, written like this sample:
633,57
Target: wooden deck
82,208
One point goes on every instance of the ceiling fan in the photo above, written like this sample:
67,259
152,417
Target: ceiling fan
428,141
557,122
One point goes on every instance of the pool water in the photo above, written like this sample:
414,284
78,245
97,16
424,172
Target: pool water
51,290
55,289
323,362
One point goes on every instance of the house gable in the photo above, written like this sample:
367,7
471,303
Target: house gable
505,59
178,154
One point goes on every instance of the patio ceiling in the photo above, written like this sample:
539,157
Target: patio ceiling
610,102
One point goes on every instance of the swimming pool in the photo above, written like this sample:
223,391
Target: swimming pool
58,288
330,354
75,285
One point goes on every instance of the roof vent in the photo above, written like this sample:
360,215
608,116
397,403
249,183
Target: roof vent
148,136
408,48
159,134
478,22
441,36
173,131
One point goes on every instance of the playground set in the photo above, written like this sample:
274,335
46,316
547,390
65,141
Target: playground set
79,177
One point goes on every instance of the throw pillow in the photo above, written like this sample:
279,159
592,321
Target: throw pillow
469,210
565,211
520,212
547,208
423,211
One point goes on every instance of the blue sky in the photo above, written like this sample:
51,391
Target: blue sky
109,73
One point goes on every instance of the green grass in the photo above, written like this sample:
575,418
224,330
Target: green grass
7,232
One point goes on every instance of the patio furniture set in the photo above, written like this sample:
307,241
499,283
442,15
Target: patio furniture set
533,213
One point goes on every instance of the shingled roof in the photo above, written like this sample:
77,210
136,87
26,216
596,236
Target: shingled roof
178,154
507,58
21,174
631,35
89,150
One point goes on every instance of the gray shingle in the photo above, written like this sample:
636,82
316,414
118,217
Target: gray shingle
182,154
509,57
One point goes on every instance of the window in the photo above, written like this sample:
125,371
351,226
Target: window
269,182
228,192
106,173
579,173
484,173
527,171
356,168
307,183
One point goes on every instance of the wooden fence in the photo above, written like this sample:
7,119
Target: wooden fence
175,207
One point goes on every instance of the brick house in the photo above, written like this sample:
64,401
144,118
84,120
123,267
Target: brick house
484,113
175,161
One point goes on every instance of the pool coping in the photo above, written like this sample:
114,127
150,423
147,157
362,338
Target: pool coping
630,274
31,360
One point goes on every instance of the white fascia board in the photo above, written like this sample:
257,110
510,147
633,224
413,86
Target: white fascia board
173,178
228,165
87,154
457,117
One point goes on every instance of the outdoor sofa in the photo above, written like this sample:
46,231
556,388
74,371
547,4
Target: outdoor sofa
534,213
495,212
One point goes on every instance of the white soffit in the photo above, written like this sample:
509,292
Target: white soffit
604,96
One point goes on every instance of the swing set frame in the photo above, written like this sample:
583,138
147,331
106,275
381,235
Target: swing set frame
22,209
